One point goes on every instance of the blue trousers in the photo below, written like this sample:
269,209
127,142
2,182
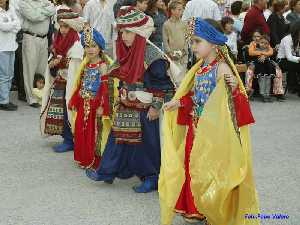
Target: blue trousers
125,161
7,60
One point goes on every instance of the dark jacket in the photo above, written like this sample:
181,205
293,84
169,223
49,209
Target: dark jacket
278,27
293,17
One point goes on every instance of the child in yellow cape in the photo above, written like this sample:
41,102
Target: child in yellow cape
206,170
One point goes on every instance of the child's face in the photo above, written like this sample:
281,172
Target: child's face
160,4
297,7
256,37
128,37
177,12
40,84
228,27
263,43
201,47
92,51
63,28
142,6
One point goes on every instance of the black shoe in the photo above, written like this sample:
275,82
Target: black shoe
281,98
8,107
269,99
35,105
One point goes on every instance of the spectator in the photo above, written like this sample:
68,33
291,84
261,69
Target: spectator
245,8
121,3
255,20
99,14
36,19
269,10
9,27
205,9
278,27
38,87
261,50
294,15
155,10
18,74
141,5
236,9
174,30
289,57
227,25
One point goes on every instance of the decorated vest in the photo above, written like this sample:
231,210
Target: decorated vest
205,83
91,81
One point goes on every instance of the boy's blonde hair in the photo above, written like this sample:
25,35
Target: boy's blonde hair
174,3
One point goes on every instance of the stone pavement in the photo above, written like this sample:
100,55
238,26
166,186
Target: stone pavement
40,187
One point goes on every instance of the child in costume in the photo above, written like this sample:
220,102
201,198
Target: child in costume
206,171
67,54
133,146
90,99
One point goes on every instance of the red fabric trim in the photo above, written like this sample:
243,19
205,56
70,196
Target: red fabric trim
184,112
242,109
62,44
185,203
131,60
74,101
105,95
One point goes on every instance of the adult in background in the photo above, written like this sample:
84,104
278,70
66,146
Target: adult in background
18,74
36,19
155,10
251,24
236,9
99,14
289,57
277,24
9,27
205,9
294,15
120,3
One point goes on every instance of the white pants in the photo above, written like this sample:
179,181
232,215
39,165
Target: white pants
35,60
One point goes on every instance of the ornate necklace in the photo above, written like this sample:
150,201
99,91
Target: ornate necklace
206,69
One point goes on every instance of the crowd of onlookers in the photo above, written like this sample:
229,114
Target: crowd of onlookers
263,38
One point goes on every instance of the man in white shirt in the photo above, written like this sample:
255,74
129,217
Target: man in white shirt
205,9
99,14
36,19
9,27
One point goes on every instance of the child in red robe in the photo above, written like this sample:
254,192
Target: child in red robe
90,99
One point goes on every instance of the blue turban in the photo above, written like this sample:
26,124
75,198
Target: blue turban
205,30
89,35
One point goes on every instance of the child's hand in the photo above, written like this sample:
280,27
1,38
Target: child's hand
54,62
100,111
231,81
153,114
172,105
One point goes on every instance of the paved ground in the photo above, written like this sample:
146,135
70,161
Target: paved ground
39,187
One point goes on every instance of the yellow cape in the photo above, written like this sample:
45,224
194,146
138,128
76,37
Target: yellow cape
106,120
220,164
